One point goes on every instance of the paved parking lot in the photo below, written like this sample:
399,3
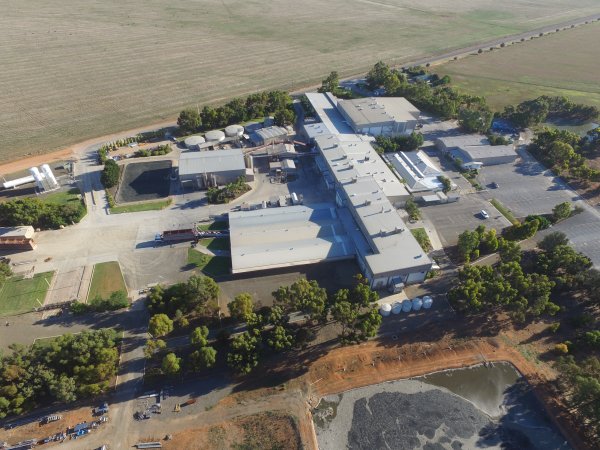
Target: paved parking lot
525,187
451,219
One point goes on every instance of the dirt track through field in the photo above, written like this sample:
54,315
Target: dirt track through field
80,69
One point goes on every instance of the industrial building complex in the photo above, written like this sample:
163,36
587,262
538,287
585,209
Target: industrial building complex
204,169
363,223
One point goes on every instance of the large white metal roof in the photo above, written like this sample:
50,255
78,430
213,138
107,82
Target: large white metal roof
193,163
366,112
287,236
417,170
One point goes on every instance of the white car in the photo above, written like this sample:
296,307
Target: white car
484,214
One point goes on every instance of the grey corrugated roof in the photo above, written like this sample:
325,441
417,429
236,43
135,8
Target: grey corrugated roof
192,163
478,152
286,236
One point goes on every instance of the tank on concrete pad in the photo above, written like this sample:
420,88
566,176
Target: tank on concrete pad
406,305
214,136
397,308
385,309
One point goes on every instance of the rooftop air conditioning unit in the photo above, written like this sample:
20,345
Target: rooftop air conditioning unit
367,202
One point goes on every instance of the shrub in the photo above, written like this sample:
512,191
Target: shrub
554,327
110,174
561,349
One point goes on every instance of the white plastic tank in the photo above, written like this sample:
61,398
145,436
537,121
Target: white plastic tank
234,131
214,136
406,305
417,303
385,309
18,182
427,302
37,176
50,179
397,308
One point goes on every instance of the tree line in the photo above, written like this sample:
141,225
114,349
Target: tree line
63,369
259,105
546,108
267,329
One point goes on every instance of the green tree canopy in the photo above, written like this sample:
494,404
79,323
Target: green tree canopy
303,295
171,364
189,121
160,325
110,173
203,358
241,306
199,336
244,352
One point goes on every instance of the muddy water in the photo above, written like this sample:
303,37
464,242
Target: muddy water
488,406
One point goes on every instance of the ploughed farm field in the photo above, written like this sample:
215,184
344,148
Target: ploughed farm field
74,70
564,63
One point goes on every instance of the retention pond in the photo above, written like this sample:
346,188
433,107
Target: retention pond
488,406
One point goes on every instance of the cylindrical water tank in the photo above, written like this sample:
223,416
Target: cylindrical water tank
397,308
385,309
37,176
234,130
18,182
214,136
49,176
417,303
427,302
406,305
193,142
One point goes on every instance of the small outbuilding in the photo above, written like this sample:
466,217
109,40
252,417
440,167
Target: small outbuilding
268,135
17,238
475,151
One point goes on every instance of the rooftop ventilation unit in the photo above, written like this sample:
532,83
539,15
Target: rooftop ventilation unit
367,202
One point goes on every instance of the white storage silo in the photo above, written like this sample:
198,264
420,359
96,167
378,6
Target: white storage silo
397,308
427,302
385,309
214,136
37,176
417,303
406,305
50,179
234,131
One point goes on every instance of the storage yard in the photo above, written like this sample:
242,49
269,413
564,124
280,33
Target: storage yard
46,104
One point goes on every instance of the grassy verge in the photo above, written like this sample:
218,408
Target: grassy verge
138,207
216,244
214,266
72,196
19,294
422,238
504,211
219,225
106,280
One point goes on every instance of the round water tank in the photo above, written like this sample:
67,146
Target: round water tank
427,302
193,142
406,305
397,308
385,309
417,303
214,136
234,130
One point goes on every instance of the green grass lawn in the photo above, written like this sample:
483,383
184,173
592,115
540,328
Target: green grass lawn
63,198
504,211
214,266
216,244
107,279
138,207
219,225
19,294
422,238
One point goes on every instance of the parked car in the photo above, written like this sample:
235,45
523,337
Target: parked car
484,214
495,185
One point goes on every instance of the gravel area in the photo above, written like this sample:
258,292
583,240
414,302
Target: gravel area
413,414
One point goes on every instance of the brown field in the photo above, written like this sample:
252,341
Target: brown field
75,70
564,63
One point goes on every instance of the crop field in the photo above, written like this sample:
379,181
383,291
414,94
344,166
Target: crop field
565,63
74,70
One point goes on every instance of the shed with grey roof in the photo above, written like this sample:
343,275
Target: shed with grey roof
268,135
474,150
211,168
